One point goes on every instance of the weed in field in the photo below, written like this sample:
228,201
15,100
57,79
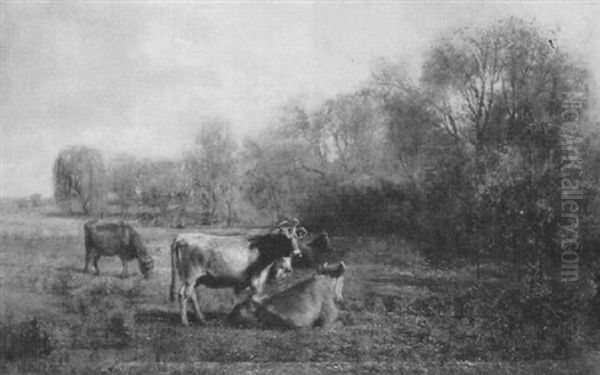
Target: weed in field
25,339
120,327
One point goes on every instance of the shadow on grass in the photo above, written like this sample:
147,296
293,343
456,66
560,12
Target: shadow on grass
72,269
74,215
26,339
69,272
172,317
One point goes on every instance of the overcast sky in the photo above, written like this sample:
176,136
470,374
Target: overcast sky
138,77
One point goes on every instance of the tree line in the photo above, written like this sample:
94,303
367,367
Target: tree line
466,160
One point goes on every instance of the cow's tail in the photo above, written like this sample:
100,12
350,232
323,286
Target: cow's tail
87,235
174,257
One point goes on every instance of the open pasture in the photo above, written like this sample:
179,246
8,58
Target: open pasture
398,315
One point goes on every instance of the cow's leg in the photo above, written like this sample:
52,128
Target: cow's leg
256,288
241,294
95,262
88,257
244,293
125,272
183,304
189,292
194,296
329,313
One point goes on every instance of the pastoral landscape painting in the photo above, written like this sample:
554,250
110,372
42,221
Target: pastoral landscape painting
252,187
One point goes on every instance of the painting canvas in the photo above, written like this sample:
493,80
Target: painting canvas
299,187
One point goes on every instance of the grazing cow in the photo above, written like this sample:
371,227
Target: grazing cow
115,238
314,249
229,262
309,303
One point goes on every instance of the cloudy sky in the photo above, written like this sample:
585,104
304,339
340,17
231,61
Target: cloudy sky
137,77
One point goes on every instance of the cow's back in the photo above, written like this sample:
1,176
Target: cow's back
223,257
109,239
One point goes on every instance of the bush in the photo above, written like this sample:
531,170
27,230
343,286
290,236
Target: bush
532,320
120,328
26,339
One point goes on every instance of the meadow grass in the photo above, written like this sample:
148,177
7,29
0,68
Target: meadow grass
397,314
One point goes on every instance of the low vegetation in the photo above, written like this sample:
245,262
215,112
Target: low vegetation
24,339
399,314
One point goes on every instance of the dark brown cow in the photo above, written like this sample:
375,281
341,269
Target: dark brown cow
315,249
228,262
309,303
115,239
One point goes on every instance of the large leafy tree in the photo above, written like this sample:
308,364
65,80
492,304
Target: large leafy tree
80,179
212,171
123,177
497,92
271,181
162,183
499,85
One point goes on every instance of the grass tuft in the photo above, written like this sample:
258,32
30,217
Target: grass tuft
25,339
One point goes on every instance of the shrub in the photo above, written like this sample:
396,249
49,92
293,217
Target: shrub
525,321
26,339
120,327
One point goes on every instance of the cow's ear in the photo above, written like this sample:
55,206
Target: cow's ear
322,269
301,232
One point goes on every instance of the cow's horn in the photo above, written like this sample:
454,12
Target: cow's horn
284,222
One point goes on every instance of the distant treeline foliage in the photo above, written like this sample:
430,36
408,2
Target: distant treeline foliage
467,160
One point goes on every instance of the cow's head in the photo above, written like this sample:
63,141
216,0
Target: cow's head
336,273
293,232
314,249
146,266
321,243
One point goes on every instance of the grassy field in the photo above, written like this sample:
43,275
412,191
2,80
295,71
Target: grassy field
56,319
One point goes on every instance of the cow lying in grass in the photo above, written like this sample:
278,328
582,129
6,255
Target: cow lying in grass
309,303
115,239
